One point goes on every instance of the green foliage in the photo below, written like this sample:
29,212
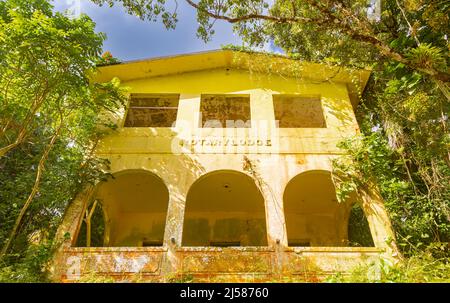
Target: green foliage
93,277
151,10
33,266
97,229
427,56
45,92
421,268
358,228
181,278
418,215
350,32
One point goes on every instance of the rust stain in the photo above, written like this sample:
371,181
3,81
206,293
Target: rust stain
205,265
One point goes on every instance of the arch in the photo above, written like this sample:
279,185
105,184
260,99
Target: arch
313,215
224,208
358,228
96,216
135,203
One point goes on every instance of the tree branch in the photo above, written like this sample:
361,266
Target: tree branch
34,191
332,20
250,16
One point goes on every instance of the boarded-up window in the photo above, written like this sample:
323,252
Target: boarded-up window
152,110
299,111
224,111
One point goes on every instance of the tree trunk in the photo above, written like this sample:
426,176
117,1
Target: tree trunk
33,193
89,215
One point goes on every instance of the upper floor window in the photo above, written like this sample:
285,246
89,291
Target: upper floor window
225,111
152,110
296,111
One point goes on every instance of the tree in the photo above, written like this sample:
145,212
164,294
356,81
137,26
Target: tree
425,23
49,122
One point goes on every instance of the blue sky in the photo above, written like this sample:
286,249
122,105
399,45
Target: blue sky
129,38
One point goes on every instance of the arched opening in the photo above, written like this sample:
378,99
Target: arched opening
92,230
135,204
358,228
224,208
313,215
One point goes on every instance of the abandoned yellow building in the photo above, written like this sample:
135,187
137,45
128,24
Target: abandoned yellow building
221,171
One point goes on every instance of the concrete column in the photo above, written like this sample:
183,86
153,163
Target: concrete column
275,220
275,224
175,218
342,220
174,230
69,226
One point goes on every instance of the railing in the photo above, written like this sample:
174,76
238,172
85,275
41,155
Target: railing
211,263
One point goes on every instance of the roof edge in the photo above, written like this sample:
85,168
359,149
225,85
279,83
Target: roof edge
212,59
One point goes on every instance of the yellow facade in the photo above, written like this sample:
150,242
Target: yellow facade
253,201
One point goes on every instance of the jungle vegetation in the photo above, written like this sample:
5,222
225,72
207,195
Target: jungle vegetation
48,130
49,127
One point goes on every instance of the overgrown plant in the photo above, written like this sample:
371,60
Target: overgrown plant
418,216
420,268
49,126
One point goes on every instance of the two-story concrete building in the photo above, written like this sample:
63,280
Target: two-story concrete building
221,168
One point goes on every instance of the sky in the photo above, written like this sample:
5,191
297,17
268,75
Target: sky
129,38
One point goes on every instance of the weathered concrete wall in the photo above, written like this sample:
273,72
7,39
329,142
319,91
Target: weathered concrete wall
299,111
187,137
152,111
133,228
210,264
200,229
220,110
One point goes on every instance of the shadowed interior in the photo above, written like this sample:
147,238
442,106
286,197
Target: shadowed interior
224,208
136,204
313,215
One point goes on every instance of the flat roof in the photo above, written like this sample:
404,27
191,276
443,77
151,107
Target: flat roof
355,79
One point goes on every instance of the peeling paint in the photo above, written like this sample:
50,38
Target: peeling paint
213,264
